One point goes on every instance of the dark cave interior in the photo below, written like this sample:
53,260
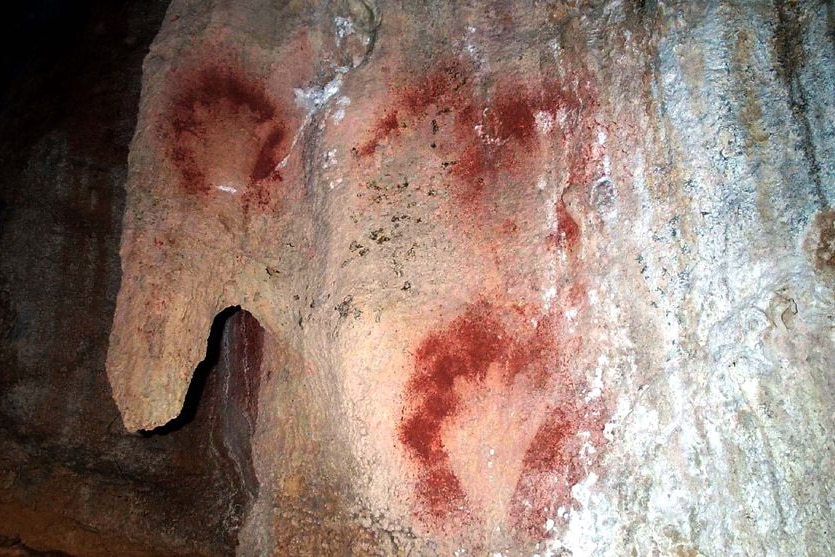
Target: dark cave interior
71,477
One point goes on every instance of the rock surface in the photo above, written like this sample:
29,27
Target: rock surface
71,477
532,277
519,278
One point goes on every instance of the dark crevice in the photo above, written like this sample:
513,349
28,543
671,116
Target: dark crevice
791,59
218,418
214,346
830,23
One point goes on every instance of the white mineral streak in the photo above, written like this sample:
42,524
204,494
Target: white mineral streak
313,98
344,27
720,450
341,104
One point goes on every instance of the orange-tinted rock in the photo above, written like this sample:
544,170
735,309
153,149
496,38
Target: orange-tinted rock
515,278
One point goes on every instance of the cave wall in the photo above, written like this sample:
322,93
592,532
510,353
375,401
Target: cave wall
515,277
71,477
538,275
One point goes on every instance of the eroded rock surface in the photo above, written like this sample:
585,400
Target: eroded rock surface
532,277
71,477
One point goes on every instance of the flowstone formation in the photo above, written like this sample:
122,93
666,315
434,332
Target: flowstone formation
534,278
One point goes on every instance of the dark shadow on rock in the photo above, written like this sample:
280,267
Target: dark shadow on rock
201,375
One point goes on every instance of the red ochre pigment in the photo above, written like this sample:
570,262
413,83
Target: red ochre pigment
567,233
222,126
386,127
489,140
486,336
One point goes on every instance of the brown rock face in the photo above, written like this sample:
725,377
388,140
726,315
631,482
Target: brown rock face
499,277
71,477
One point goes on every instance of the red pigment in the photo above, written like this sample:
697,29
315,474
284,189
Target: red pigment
513,117
567,230
268,158
384,128
509,226
440,490
553,451
438,89
218,106
507,144
544,453
463,351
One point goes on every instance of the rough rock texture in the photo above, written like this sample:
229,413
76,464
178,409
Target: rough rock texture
534,277
71,477
548,278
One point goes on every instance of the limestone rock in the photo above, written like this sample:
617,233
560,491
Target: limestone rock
533,277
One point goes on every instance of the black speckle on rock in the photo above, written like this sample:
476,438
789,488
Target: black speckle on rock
379,236
345,306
